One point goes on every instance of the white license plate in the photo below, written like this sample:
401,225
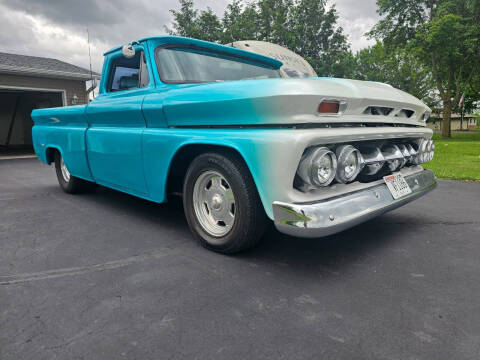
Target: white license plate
397,185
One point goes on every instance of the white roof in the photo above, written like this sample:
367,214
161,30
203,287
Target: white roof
293,64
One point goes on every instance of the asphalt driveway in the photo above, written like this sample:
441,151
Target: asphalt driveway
109,276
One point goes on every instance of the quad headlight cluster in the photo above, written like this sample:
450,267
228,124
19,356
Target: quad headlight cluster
322,165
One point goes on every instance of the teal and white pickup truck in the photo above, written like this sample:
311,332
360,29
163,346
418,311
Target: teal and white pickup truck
241,144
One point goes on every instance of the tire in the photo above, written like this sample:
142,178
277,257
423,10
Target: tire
206,197
69,183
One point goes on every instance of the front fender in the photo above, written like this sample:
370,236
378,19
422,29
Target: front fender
256,146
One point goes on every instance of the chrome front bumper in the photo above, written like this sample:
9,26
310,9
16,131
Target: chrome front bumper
337,214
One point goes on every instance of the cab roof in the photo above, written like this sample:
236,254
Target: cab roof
168,39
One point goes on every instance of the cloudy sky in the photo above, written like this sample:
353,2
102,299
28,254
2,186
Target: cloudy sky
57,28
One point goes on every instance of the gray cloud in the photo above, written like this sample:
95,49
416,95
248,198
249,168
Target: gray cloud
85,12
357,17
57,28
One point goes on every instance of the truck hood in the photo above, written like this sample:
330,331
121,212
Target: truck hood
287,101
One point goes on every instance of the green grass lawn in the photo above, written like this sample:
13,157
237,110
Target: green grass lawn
456,158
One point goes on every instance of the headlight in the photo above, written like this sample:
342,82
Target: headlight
350,163
318,166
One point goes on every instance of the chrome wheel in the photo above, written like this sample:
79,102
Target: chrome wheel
214,203
65,172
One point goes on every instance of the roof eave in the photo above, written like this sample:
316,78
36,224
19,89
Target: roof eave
13,70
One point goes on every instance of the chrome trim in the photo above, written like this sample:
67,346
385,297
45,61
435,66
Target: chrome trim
394,157
374,161
340,213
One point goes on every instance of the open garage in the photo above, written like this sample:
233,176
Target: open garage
15,121
31,82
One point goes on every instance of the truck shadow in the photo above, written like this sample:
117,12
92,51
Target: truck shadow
354,245
332,252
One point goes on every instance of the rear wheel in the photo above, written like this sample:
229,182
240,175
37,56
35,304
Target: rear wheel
69,183
221,203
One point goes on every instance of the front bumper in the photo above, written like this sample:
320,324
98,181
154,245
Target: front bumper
337,214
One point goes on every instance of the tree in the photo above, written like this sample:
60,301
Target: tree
397,67
306,27
314,34
185,20
209,26
272,20
240,22
443,34
471,101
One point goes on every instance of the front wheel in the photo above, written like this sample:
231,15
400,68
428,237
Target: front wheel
221,203
69,183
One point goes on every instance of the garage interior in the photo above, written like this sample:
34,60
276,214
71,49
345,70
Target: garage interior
15,120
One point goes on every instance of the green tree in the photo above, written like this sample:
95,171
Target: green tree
209,26
314,34
304,26
443,34
272,20
185,20
240,22
397,67
472,95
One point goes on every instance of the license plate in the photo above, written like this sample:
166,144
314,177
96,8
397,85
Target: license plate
397,185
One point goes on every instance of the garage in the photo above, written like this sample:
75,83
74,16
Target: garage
15,121
31,82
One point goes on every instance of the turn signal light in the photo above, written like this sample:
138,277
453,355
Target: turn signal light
329,107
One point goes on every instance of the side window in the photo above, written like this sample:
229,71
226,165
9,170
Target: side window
128,74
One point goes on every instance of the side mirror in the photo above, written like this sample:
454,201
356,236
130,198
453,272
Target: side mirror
128,51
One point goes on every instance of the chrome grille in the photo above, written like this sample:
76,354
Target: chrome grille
392,156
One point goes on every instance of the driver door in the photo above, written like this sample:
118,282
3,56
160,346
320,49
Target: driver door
116,125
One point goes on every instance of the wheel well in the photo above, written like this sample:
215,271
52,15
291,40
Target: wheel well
184,157
50,154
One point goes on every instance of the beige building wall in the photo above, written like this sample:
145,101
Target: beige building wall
469,123
71,87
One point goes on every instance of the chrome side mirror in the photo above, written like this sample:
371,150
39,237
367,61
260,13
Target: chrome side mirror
128,51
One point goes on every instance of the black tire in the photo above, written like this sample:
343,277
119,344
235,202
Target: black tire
73,185
250,219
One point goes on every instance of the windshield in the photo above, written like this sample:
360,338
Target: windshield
191,65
